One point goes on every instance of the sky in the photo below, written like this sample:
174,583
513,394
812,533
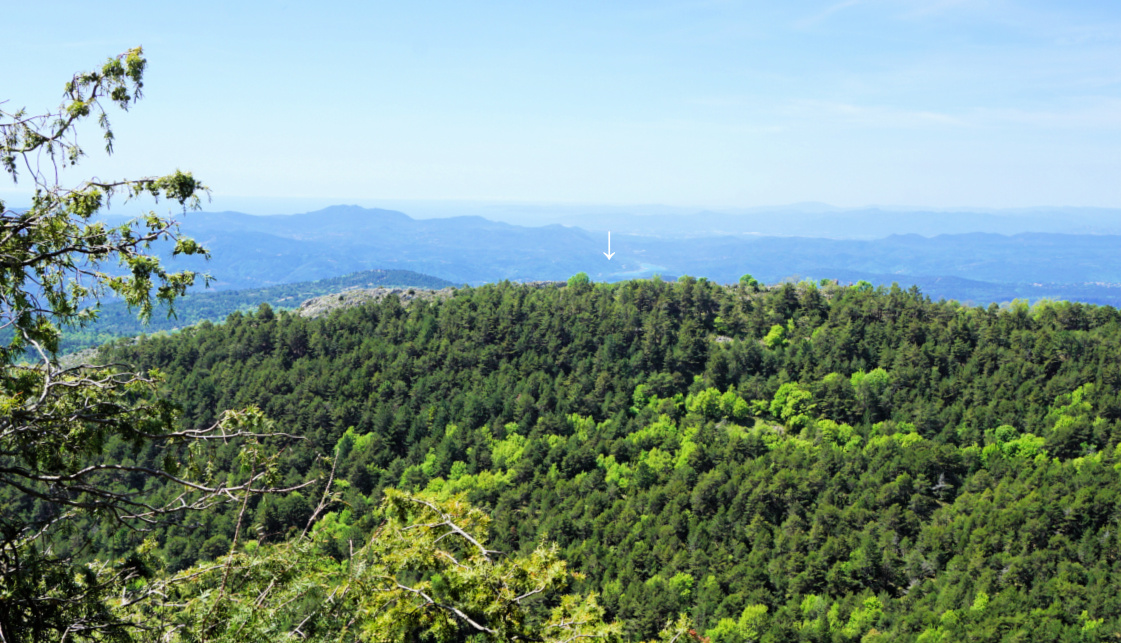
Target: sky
717,104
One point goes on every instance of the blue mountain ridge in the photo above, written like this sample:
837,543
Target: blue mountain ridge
255,251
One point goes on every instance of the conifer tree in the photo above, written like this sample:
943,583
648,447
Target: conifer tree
72,437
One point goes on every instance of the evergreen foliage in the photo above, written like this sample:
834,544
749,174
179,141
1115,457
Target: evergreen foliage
426,574
87,453
894,469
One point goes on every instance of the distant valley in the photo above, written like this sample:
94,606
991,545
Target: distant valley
261,251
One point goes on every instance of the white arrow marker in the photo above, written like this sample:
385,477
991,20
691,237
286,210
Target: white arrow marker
609,254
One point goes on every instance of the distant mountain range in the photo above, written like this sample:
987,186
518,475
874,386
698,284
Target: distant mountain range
816,220
257,251
254,251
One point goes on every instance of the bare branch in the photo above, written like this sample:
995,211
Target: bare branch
448,608
453,528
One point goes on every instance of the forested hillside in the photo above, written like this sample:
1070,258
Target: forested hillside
804,462
116,319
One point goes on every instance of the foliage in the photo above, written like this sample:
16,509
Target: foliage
578,280
808,462
776,337
426,574
748,628
970,457
70,437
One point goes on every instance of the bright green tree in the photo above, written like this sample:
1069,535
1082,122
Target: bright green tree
578,280
776,337
426,574
791,400
748,628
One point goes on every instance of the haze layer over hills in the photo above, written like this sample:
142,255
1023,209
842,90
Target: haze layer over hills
794,220
257,251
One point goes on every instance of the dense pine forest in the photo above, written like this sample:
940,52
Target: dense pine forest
807,462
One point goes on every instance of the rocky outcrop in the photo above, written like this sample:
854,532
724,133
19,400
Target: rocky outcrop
320,306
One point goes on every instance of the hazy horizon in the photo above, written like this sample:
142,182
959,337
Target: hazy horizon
441,208
725,105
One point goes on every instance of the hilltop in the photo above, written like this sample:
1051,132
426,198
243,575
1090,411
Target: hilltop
801,462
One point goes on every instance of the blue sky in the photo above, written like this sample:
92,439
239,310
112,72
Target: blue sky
935,103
